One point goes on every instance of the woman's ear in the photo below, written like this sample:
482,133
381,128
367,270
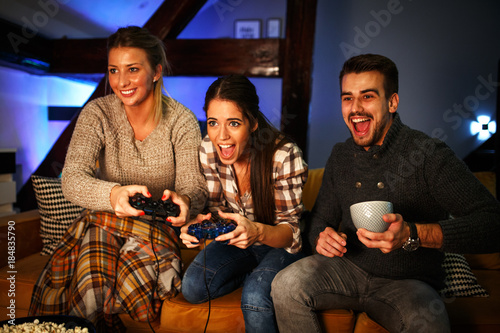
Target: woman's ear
158,72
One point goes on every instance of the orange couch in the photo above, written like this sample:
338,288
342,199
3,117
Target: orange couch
467,314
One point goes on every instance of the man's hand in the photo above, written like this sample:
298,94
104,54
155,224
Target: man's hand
390,240
331,244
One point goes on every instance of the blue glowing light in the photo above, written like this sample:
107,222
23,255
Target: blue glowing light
484,127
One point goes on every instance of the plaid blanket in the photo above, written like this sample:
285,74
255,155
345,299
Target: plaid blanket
93,275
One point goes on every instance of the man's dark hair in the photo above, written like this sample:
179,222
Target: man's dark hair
373,62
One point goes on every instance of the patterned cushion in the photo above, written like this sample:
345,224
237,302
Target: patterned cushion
56,213
460,281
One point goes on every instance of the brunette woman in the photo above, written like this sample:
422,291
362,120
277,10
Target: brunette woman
255,176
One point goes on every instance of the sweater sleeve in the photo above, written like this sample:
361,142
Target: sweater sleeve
474,221
79,182
189,180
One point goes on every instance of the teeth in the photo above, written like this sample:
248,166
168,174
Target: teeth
126,92
358,120
225,146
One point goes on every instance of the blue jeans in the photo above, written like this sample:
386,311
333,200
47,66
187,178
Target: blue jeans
318,283
227,268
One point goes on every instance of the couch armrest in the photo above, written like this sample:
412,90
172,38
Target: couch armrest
24,232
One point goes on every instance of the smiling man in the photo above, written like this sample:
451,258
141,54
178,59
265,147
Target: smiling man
393,276
367,109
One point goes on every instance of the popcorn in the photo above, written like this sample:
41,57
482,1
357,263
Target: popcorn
44,327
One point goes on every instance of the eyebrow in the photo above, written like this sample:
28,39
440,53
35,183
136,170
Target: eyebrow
128,65
371,90
344,93
229,119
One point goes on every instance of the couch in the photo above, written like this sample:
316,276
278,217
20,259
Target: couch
467,314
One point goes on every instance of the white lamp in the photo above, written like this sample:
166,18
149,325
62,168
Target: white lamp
484,127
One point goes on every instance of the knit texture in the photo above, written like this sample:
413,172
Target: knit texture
166,159
426,183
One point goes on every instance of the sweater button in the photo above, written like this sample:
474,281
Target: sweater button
358,184
375,156
380,185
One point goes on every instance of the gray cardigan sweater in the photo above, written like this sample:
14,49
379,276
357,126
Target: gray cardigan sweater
426,183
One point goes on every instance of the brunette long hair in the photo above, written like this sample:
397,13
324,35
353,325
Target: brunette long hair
264,141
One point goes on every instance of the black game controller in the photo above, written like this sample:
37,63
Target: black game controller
210,229
162,209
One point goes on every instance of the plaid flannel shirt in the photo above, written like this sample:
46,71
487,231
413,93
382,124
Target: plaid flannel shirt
289,175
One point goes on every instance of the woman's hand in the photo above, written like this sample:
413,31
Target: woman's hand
246,233
183,202
189,240
120,196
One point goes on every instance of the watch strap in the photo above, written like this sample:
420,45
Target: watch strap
413,231
413,241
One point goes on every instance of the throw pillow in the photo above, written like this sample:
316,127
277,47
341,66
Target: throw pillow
460,281
56,213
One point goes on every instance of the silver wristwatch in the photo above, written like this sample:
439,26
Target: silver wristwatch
413,242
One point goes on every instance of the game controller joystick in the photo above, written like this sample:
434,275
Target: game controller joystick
162,209
210,229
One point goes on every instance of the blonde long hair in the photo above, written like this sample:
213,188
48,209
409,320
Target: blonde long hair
133,36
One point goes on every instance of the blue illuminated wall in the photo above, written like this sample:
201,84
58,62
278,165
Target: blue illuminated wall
191,93
24,121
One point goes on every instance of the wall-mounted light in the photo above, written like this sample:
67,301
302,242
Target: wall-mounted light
484,127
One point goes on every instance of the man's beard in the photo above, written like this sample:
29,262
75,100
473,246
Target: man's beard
377,132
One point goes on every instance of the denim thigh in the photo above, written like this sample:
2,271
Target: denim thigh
319,283
216,271
257,286
256,302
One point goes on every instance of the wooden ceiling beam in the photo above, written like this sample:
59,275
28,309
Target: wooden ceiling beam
172,17
188,57
297,70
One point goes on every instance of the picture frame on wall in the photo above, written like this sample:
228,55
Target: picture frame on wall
247,29
273,28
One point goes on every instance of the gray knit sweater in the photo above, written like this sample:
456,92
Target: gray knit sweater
426,183
166,159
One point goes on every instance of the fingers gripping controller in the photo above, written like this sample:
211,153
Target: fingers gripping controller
162,209
210,229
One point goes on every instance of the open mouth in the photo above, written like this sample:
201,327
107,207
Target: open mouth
226,150
361,125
